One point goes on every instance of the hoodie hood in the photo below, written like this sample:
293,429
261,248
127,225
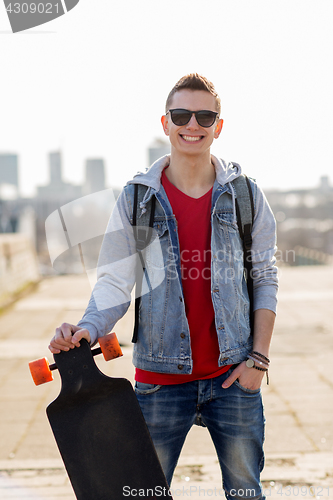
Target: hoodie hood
225,172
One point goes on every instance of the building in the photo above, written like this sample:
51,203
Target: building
28,215
55,168
94,176
8,175
57,191
159,148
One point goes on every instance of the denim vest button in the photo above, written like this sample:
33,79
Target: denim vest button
180,367
181,299
182,335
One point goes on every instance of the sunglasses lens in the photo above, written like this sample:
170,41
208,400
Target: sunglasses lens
205,118
180,116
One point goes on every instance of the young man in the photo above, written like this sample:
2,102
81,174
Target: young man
196,359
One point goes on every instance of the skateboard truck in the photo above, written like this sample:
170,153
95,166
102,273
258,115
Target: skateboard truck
41,370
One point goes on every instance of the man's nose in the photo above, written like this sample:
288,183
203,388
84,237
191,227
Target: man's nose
193,122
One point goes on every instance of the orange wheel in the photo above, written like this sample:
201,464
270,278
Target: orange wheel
40,371
110,346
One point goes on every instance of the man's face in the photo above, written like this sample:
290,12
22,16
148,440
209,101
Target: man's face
192,139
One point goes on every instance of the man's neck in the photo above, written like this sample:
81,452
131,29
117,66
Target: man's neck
193,175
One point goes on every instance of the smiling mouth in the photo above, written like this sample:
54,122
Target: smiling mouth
191,138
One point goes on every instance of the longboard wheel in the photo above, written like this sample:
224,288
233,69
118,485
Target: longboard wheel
40,371
110,346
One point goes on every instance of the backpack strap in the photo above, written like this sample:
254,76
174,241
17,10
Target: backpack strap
245,216
142,234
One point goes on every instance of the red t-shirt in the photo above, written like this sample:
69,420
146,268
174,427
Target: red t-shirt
194,232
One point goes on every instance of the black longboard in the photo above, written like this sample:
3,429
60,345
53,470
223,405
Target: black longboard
101,433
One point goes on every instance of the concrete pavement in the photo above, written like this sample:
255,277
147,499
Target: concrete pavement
298,402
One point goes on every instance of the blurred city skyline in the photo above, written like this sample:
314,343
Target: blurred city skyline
101,92
304,215
94,175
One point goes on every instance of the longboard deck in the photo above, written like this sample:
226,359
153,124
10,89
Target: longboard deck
101,433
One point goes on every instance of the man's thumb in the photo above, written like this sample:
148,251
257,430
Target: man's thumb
81,334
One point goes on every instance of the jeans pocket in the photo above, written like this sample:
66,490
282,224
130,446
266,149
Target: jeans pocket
245,389
142,388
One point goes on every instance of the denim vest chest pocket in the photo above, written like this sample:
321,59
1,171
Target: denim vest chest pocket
157,251
228,240
225,216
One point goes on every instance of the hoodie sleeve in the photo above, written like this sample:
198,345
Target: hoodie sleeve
265,273
111,295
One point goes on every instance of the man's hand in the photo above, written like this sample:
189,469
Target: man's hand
250,378
64,340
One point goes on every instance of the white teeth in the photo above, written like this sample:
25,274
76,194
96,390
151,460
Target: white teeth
191,138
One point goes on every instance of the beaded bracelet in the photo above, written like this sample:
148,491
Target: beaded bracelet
261,369
261,363
258,367
261,356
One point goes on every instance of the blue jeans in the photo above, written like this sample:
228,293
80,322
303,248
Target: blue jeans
234,418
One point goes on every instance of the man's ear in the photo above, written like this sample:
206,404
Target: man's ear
165,124
218,128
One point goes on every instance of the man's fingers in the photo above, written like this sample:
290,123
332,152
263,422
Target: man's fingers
54,350
66,331
247,377
231,379
79,335
61,339
251,378
58,344
64,340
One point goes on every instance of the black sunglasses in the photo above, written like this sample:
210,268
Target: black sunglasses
204,117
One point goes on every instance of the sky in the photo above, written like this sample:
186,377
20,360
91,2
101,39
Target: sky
93,83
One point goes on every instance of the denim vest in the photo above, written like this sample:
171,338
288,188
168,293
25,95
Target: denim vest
164,343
